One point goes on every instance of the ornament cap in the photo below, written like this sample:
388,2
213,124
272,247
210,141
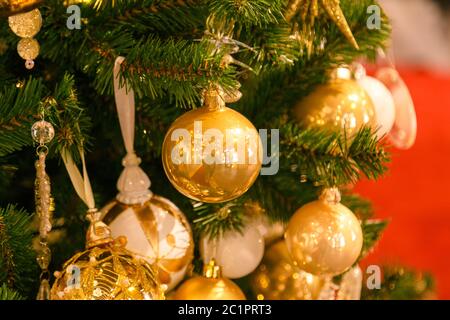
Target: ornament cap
98,232
331,196
213,98
342,72
133,184
211,270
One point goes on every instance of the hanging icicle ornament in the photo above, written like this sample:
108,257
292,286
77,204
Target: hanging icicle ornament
155,228
106,270
42,133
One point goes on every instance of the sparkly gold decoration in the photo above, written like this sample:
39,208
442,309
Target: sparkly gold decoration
28,48
106,271
341,105
311,9
324,237
210,286
27,25
12,7
43,132
212,154
157,231
278,279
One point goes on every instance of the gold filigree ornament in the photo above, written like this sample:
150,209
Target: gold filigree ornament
309,10
27,25
106,270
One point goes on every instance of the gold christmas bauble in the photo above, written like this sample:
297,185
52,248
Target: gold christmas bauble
11,7
201,288
213,153
324,237
157,231
107,272
28,48
278,279
210,286
26,25
340,105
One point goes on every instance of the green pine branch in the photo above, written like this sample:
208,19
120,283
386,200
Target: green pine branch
329,158
214,219
372,231
9,294
19,106
400,283
18,268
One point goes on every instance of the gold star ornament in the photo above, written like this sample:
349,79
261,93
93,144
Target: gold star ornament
311,9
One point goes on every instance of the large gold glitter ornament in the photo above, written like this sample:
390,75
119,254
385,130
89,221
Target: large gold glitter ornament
340,105
157,231
278,279
210,286
324,237
12,7
212,154
106,271
310,9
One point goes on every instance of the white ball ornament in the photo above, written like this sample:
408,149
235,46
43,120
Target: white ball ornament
404,132
383,103
382,100
238,253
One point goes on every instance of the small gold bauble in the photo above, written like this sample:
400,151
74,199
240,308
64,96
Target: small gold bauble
278,279
201,288
324,237
210,286
28,48
11,7
26,25
341,105
212,154
106,272
157,231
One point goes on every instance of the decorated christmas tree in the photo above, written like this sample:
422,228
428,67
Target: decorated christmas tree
162,149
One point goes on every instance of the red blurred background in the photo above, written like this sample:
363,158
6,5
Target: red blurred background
415,193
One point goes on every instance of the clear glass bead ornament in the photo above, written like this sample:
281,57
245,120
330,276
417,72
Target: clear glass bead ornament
42,132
